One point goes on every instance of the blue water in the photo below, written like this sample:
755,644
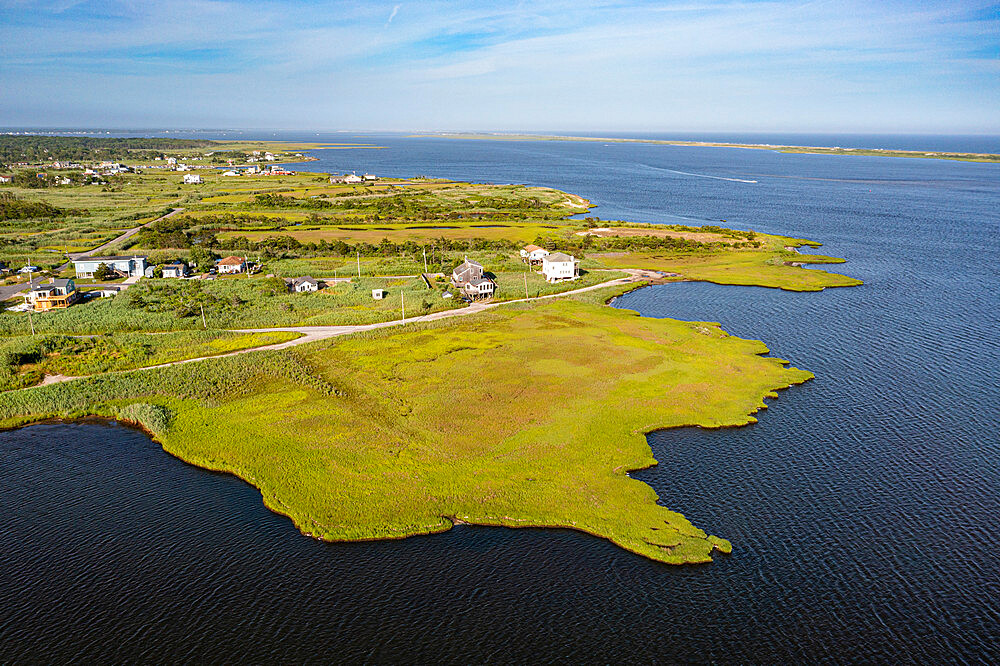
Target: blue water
863,507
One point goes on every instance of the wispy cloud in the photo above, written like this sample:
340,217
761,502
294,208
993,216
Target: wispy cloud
599,63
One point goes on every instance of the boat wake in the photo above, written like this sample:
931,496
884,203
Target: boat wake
700,175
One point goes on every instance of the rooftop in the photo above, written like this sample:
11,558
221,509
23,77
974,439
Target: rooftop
83,259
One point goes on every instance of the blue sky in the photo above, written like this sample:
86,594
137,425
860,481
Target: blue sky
832,66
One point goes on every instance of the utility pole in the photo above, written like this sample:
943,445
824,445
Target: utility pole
31,304
425,259
526,285
203,324
359,263
402,306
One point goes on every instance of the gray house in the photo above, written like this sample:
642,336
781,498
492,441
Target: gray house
467,271
127,266
469,278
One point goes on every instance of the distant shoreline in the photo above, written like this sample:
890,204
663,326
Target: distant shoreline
819,150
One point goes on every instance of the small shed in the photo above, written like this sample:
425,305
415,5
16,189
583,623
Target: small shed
379,294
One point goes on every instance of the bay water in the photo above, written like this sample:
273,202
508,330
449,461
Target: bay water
863,507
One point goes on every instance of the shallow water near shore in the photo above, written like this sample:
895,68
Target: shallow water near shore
863,507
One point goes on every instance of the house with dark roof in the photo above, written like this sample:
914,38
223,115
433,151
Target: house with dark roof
469,278
467,271
302,284
124,266
177,269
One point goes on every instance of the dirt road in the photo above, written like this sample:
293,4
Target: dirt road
314,333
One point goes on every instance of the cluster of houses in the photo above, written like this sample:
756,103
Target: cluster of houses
61,293
474,283
556,266
257,171
138,266
353,179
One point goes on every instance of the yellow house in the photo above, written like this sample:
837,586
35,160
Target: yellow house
54,295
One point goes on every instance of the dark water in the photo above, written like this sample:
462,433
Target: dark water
863,508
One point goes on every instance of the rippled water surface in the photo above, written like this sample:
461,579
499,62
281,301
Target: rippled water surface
863,507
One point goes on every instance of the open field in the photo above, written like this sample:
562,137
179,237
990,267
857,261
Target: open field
172,305
382,460
24,360
822,150
401,233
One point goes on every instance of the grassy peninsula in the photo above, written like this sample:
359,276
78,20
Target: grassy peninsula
528,415
523,410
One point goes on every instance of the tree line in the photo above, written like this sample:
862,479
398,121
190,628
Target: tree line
40,148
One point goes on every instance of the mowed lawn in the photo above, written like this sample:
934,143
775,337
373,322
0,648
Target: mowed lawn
527,415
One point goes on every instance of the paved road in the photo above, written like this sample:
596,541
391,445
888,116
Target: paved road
9,291
314,333
128,234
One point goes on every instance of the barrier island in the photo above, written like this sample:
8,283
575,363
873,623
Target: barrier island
359,422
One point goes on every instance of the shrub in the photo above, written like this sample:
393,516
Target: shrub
154,418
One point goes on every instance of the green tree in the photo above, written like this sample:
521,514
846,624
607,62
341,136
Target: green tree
103,272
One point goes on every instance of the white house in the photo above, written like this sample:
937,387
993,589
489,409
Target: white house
302,284
127,266
232,265
480,288
533,254
231,173
352,178
379,294
559,266
192,179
